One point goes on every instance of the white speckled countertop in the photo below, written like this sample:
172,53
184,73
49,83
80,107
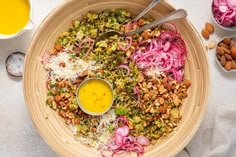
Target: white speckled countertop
18,136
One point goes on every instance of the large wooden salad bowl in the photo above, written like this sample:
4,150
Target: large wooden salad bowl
52,128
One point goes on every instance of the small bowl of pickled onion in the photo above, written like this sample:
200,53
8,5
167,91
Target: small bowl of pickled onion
95,96
224,14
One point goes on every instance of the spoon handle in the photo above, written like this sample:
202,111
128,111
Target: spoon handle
150,6
177,14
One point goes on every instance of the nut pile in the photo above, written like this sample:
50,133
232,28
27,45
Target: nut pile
226,53
160,104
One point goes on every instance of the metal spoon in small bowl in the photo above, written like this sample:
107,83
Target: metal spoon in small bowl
177,14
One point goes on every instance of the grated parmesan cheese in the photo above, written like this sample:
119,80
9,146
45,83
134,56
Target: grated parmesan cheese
153,72
98,140
65,67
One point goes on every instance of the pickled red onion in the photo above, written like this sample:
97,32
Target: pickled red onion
45,57
224,12
121,142
143,140
121,119
169,26
82,45
124,46
124,66
166,53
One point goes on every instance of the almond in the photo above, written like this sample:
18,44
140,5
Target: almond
228,65
58,46
228,57
233,52
212,44
232,43
226,50
222,44
219,50
227,40
57,98
218,57
233,64
205,34
209,27
222,60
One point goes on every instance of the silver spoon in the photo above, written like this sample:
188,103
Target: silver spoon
177,14
150,6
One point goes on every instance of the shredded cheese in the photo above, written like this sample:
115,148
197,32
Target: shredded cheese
102,134
65,66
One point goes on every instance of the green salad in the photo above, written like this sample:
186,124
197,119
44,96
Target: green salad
146,71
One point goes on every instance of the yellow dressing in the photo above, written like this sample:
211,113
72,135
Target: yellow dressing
95,96
14,15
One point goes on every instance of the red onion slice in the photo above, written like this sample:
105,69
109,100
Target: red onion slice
124,66
89,41
125,46
144,141
169,26
123,131
231,4
45,57
121,142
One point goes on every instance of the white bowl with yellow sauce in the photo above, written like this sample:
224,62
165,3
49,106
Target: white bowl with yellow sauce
95,96
15,17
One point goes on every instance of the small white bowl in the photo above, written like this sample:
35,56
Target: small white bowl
218,62
27,27
228,28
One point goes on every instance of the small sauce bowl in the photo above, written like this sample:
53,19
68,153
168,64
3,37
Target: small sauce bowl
95,96
22,28
218,55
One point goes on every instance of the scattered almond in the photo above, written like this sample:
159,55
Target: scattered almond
209,27
212,44
57,98
58,46
205,33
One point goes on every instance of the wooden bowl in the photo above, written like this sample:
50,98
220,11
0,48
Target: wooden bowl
52,128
